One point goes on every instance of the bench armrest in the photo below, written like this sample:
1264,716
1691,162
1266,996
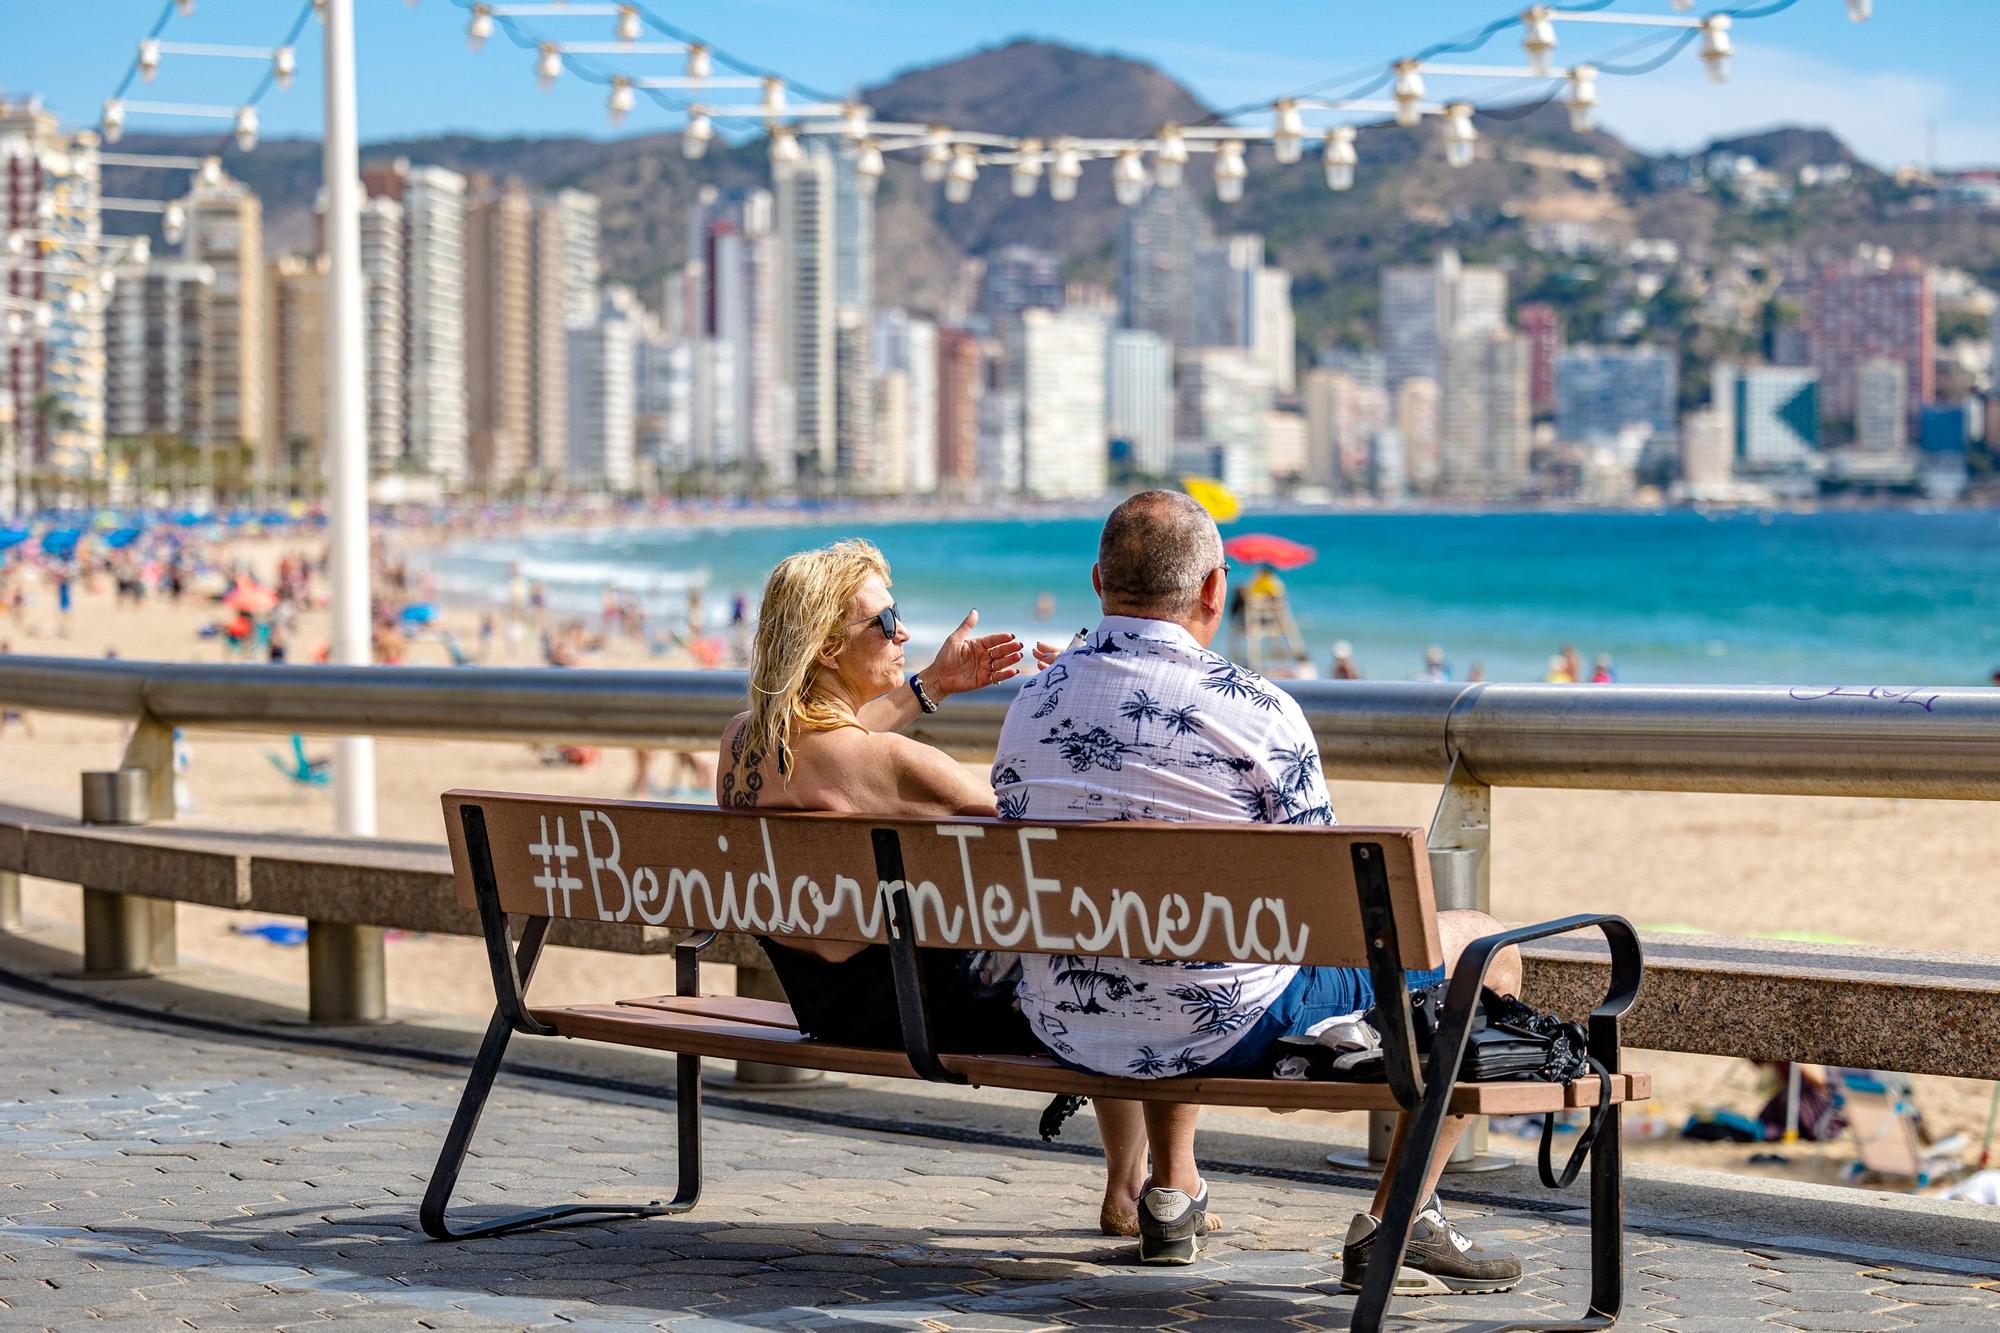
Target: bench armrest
1462,995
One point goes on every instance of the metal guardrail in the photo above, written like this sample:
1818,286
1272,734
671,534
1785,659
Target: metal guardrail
1939,742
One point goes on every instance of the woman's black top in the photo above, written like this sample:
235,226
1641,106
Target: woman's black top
853,1002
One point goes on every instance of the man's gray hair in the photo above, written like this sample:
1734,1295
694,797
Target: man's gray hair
1155,551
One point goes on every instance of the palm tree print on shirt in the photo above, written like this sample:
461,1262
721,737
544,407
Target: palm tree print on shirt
1233,682
1140,709
1220,1009
1085,750
1297,765
1014,806
1085,980
1183,721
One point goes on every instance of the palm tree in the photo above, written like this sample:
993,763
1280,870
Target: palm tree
1184,721
1296,766
1140,709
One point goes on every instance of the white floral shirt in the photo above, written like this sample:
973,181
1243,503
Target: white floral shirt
1141,722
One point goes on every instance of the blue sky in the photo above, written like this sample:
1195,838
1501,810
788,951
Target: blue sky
1886,86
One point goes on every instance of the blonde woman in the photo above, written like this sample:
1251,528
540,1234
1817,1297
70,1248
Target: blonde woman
827,695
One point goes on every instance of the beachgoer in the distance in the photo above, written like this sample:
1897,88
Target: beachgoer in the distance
1475,673
1601,672
1343,662
1558,672
1572,661
1163,582
1435,667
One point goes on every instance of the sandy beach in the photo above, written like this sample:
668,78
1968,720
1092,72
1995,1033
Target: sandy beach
1739,865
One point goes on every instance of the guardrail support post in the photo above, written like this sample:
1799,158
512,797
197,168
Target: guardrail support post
346,978
127,934
10,902
1460,846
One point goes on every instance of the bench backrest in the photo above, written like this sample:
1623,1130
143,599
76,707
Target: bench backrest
1198,892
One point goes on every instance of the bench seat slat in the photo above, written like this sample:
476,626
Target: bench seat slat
714,1027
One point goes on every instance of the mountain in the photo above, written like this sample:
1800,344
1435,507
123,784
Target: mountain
1532,169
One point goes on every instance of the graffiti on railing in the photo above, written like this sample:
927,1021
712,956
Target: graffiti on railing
1884,694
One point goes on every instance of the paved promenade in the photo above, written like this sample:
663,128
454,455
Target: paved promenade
209,1170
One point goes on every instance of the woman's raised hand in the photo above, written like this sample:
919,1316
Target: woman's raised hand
967,663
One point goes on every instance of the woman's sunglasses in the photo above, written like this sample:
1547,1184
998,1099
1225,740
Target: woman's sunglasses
887,620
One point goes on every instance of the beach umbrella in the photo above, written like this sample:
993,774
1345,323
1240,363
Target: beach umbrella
60,542
1213,496
250,597
120,538
1264,548
12,537
419,613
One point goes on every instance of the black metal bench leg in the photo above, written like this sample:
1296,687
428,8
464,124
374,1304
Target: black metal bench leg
1392,1237
479,1086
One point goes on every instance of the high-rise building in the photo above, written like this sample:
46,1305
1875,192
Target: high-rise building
806,210
961,376
891,389
552,273
738,267
385,351
1539,323
1242,302
1019,278
1876,305
1139,397
1343,411
54,373
602,432
1770,414
1603,391
907,346
1000,438
157,380
1222,397
1483,419
1063,450
663,405
578,241
1416,420
1708,454
295,364
1157,244
1882,408
853,237
1423,307
225,230
433,324
1284,433
857,465
499,393
1273,329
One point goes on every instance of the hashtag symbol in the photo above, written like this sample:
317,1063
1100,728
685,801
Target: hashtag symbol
563,853
547,880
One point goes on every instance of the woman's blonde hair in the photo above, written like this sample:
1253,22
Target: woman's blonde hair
803,614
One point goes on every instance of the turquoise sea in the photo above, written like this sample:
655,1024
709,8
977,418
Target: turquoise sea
1879,597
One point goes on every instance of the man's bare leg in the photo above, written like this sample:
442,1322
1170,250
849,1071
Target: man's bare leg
1170,1136
1121,1128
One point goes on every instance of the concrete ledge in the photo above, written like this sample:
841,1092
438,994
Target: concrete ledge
1919,1013
185,865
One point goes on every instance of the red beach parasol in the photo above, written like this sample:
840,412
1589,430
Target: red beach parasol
248,596
1263,548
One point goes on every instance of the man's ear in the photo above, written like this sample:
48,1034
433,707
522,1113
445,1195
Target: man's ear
1215,591
1096,581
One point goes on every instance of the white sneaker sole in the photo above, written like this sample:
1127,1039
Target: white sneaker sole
1416,1282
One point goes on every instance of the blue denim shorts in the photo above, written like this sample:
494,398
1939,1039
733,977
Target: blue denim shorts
1315,995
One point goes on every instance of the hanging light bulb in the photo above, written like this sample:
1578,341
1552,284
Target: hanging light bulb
936,161
854,121
628,23
210,171
114,121
1716,47
173,223
1027,173
16,244
284,64
1860,11
699,131
1288,130
17,324
1128,177
1538,38
1340,158
246,129
548,66
1229,170
45,316
785,153
1461,137
106,280
774,97
1065,170
186,7
1683,4
869,165
78,300
1582,99
698,63
142,249
1170,158
962,174
480,28
623,99
1409,94
149,58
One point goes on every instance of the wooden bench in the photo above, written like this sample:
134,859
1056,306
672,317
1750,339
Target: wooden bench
1355,897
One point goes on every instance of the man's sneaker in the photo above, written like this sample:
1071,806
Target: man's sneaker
1171,1223
1441,1259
